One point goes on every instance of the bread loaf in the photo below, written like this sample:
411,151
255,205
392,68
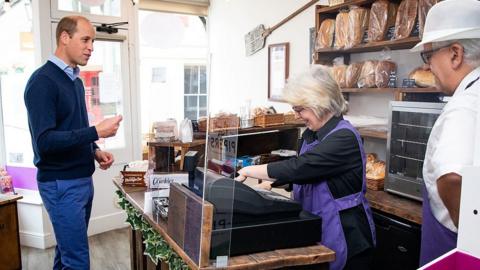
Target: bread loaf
392,14
423,7
371,157
341,29
382,73
339,72
406,15
377,170
423,78
325,34
357,23
377,25
352,74
382,16
367,76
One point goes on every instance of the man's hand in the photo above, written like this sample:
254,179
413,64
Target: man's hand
449,188
105,159
108,127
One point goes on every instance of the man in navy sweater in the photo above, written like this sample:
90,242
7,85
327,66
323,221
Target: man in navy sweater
64,143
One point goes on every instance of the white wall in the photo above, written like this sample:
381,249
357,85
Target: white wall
235,77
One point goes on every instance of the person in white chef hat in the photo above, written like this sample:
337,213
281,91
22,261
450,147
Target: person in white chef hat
450,48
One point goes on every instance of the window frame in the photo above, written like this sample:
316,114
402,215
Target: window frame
198,94
58,14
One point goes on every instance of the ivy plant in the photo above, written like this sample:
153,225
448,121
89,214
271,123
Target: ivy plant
156,248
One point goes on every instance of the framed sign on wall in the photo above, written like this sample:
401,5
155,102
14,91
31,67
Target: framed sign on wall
278,60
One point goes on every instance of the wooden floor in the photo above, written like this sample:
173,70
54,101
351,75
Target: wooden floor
108,251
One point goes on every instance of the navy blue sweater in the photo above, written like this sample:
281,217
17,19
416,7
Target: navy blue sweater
63,143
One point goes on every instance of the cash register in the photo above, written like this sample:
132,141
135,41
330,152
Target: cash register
247,220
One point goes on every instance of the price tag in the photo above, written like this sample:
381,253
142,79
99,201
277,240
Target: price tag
392,79
408,83
416,29
391,33
365,37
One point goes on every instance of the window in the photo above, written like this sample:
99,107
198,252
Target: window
94,7
159,75
195,92
171,47
103,84
17,62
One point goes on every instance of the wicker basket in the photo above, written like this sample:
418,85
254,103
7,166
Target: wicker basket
375,184
219,123
290,119
133,179
267,120
202,124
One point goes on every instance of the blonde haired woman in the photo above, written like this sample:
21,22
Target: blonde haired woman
328,176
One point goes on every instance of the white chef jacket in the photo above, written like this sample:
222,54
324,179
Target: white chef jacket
451,143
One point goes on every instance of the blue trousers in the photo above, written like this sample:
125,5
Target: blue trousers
69,204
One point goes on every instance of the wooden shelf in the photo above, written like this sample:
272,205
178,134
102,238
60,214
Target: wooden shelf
336,8
391,90
371,133
177,143
400,44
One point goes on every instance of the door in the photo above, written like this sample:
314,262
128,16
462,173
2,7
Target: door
107,82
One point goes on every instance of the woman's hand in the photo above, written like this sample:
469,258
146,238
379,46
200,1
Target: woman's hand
255,171
241,175
267,185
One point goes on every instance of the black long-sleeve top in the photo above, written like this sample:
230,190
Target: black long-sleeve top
337,160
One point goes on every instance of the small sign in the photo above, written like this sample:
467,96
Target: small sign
416,29
408,83
254,40
392,79
365,37
164,180
222,261
391,33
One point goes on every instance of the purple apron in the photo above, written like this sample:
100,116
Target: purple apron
317,199
436,238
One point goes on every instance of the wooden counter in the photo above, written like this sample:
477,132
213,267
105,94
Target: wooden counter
10,257
405,208
315,257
